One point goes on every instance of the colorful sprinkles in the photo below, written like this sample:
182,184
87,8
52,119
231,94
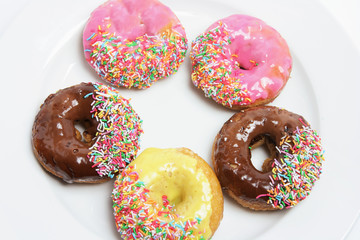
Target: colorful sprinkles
137,216
138,63
213,68
298,168
118,131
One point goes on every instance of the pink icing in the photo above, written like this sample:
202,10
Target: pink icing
259,57
130,19
134,43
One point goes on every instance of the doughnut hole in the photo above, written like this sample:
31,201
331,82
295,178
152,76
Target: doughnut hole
245,55
262,152
246,64
84,131
180,188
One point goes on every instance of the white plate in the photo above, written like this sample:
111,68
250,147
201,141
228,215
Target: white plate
41,53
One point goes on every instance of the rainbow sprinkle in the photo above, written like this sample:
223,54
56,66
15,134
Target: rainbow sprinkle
137,216
137,63
213,68
118,131
297,170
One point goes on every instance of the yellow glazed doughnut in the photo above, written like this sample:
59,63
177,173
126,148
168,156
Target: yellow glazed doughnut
167,194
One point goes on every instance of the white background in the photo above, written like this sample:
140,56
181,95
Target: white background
346,12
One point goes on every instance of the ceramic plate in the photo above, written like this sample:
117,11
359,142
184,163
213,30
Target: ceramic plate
42,52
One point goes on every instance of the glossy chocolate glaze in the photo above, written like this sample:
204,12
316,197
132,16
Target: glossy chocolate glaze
54,135
232,156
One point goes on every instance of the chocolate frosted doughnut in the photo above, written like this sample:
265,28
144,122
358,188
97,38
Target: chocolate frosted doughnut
286,177
108,144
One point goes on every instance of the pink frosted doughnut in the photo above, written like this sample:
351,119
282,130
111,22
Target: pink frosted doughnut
240,62
134,43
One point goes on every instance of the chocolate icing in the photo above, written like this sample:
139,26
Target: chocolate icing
54,137
232,155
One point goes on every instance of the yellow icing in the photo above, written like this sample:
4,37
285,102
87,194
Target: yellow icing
174,174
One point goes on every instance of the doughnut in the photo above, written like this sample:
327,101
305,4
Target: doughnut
109,142
240,62
134,43
167,194
287,176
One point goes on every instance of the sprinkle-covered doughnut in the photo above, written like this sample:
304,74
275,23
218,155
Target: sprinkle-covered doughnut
240,62
134,43
287,177
167,194
110,140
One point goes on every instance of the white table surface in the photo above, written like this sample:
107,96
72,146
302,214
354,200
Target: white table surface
346,12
